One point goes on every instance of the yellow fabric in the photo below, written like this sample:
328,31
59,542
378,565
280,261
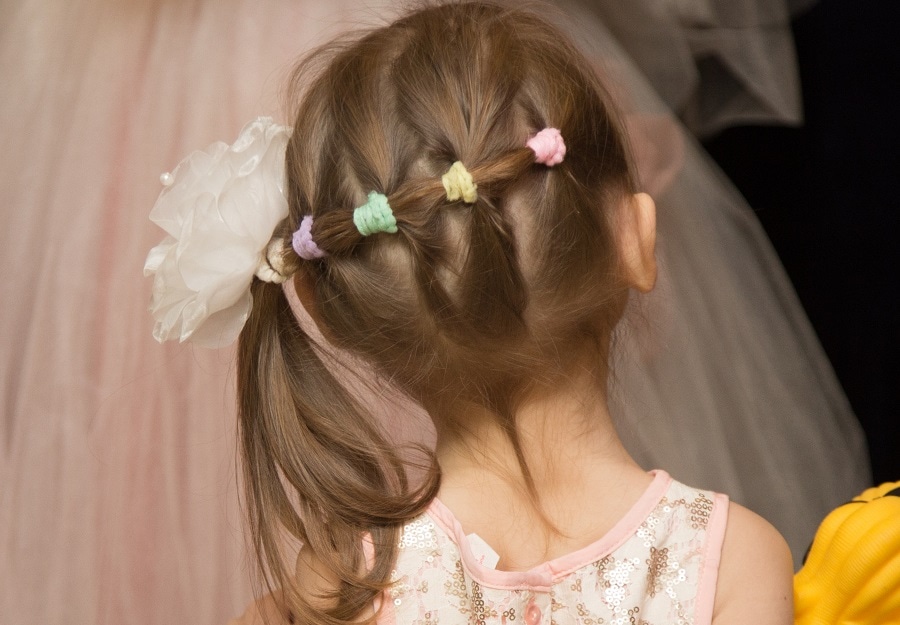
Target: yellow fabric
852,574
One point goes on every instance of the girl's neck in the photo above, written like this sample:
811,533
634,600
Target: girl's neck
563,428
584,480
574,456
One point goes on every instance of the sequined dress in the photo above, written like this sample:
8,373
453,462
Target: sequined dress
657,566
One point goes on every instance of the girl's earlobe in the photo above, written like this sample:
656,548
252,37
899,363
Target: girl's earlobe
637,240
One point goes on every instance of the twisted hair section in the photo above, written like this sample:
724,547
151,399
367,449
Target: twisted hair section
464,303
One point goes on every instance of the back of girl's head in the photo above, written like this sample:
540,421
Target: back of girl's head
468,293
469,300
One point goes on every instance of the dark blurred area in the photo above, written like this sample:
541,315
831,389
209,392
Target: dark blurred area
827,194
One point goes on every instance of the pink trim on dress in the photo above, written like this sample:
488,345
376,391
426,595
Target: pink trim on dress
712,556
542,577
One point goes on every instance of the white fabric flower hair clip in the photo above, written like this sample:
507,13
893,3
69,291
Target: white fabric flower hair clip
220,208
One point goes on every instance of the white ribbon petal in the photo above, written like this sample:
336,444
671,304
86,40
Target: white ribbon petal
220,211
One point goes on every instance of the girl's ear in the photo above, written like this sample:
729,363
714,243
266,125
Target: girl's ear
637,241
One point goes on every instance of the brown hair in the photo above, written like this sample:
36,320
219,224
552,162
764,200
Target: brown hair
464,301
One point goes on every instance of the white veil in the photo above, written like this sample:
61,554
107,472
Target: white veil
117,480
714,62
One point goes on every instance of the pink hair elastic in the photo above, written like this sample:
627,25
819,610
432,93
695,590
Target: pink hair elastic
303,243
549,147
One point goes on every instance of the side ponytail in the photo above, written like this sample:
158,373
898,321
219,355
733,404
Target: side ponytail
316,465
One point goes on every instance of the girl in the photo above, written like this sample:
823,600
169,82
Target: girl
461,216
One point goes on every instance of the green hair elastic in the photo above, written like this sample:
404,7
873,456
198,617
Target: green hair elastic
375,216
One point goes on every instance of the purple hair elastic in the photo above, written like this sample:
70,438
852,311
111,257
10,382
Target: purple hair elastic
303,243
548,146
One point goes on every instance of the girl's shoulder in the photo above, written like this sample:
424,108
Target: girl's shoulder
755,581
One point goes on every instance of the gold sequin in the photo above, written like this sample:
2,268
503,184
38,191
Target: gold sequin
647,530
456,585
480,610
429,618
399,587
657,567
418,534
700,508
618,579
555,604
585,618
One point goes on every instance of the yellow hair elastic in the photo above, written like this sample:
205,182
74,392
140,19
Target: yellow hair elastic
458,184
